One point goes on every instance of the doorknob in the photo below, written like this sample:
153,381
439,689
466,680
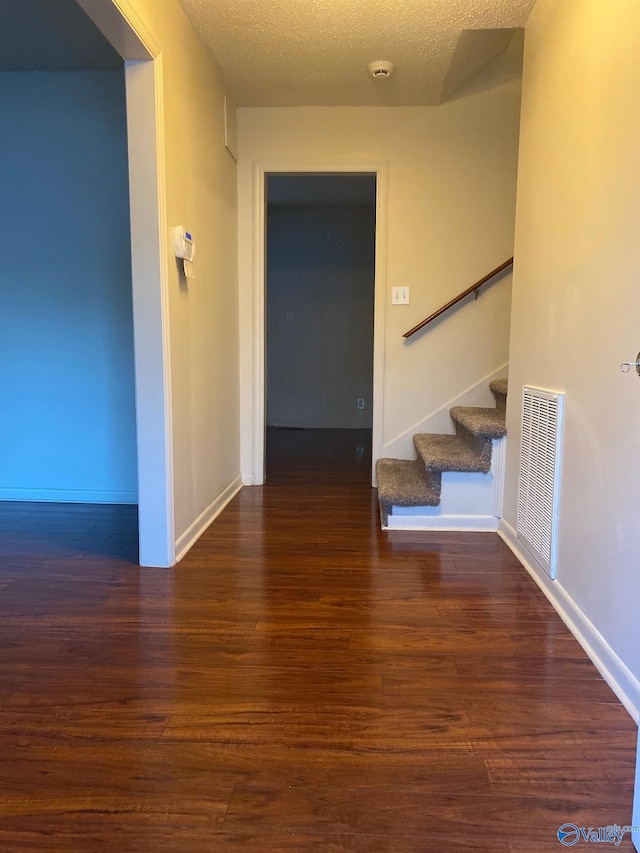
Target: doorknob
626,366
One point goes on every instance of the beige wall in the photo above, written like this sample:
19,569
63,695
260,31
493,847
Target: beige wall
201,195
450,218
576,305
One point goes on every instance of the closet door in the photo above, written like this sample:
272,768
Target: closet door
347,316
294,317
320,295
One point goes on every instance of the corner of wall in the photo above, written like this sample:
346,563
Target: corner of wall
610,666
195,530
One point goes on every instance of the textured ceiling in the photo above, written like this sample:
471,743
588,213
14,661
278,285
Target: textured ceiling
315,52
51,35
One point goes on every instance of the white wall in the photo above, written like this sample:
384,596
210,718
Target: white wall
576,307
67,430
451,196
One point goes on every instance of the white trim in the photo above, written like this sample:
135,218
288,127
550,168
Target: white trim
499,468
259,331
195,530
145,118
444,523
123,27
260,171
89,496
121,24
614,671
379,324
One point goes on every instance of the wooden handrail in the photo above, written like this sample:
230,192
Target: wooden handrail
460,296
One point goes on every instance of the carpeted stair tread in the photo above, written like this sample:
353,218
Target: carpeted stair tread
452,453
500,386
401,482
483,423
418,482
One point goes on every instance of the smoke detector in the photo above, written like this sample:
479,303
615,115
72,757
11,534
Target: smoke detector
380,69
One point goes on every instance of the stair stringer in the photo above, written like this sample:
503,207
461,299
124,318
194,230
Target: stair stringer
439,421
469,501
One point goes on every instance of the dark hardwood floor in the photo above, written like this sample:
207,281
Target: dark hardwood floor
300,682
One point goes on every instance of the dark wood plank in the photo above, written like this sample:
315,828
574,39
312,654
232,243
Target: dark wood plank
35,834
442,818
191,768
589,772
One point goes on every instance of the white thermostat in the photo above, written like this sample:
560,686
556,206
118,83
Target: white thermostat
184,246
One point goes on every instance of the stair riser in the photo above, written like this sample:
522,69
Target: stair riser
501,403
481,445
468,501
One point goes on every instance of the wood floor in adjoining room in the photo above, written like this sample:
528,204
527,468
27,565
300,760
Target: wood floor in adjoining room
302,681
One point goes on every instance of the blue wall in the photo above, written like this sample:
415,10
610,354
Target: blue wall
67,420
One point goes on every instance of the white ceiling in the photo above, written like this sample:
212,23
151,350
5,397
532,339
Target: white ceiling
315,52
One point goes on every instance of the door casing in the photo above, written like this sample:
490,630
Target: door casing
122,26
261,170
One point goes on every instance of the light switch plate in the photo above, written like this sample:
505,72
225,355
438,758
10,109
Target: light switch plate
399,295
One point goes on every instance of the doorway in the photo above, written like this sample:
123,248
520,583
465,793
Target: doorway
27,34
320,283
329,401
66,323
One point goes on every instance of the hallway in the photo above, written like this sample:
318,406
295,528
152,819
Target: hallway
301,681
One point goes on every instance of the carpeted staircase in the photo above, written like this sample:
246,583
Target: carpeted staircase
417,482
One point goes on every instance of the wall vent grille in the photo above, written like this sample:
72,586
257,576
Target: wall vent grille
538,487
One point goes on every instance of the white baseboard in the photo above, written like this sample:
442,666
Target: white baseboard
81,496
191,535
614,671
442,523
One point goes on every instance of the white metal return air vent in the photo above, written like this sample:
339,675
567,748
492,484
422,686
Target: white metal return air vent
539,473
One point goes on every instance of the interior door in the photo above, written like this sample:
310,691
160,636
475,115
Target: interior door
320,289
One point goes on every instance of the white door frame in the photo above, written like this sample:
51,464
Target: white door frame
261,170
122,26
